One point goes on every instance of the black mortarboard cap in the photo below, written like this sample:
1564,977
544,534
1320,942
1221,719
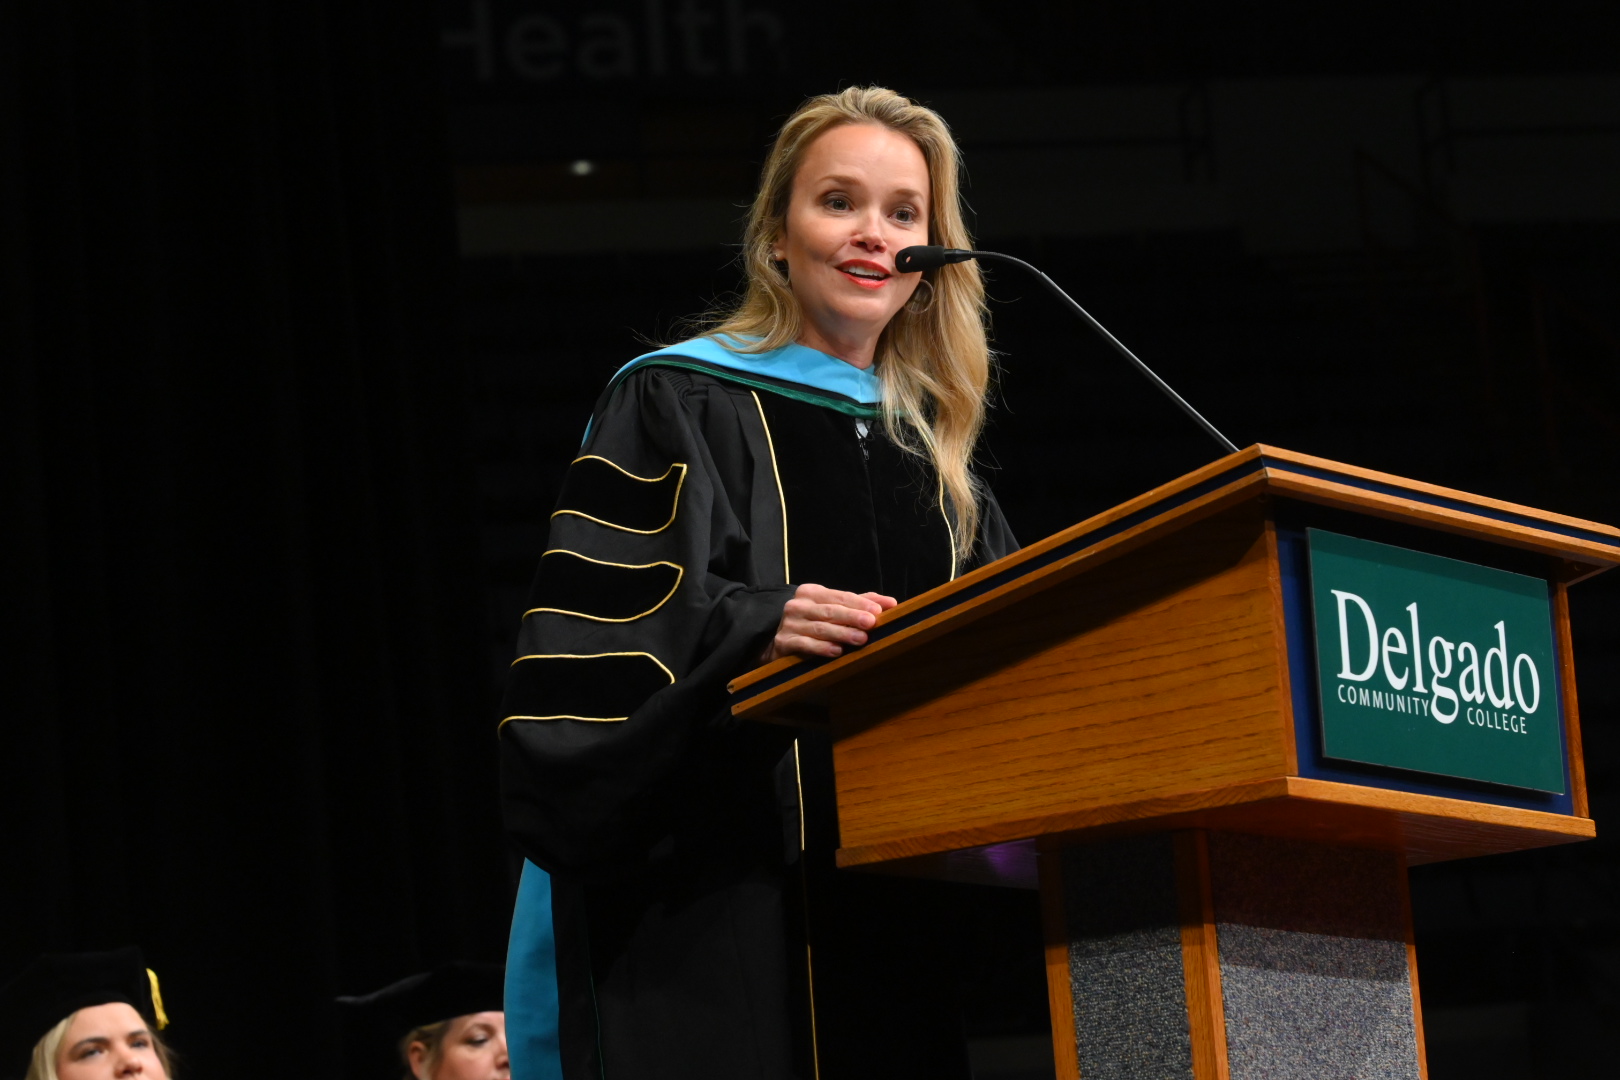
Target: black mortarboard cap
375,1023
57,985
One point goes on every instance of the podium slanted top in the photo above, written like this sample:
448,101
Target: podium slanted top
1156,667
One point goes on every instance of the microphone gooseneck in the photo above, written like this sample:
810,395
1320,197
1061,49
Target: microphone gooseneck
928,257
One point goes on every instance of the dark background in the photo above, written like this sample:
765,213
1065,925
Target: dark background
303,304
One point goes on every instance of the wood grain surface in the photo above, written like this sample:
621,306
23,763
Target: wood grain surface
1425,828
1290,457
1404,885
959,610
1157,675
1572,708
1033,552
1279,627
1059,992
1130,674
1254,473
1200,957
1575,557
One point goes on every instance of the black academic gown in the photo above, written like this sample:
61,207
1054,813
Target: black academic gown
683,902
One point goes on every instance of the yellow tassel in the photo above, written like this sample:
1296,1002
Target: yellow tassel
157,1001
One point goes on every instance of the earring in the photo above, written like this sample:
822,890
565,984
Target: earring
916,307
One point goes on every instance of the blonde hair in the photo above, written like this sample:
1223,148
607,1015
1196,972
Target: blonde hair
431,1036
43,1065
934,364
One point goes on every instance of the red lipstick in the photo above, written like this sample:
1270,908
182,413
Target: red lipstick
865,273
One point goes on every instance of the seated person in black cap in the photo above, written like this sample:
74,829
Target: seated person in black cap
444,1024
83,1016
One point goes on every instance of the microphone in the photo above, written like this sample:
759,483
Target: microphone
931,256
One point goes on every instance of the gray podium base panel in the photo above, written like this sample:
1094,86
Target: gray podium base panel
1125,967
1311,945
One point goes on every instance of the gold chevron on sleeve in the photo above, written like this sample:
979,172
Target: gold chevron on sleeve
573,584
600,688
599,490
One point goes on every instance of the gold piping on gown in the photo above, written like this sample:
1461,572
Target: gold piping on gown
680,572
770,444
674,506
582,656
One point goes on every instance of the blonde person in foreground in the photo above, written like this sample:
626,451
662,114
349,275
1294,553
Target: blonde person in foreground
767,488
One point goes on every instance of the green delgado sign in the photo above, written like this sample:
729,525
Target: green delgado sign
1434,665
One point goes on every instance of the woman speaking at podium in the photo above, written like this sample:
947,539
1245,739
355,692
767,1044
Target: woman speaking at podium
764,490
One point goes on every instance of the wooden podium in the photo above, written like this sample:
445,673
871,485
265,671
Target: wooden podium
1126,715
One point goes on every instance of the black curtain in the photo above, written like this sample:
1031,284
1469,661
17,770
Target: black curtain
247,712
